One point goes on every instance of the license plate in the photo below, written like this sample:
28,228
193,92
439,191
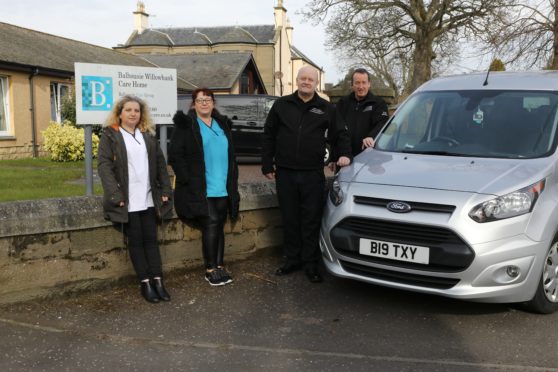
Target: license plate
394,251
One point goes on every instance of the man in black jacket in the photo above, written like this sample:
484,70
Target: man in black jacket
294,142
364,113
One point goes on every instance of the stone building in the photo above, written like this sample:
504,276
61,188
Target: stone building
271,46
36,71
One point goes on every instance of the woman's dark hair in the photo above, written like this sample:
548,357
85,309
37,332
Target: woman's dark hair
205,92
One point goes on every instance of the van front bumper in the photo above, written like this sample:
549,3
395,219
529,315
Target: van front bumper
502,271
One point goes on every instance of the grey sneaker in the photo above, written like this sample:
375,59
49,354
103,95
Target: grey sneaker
214,277
225,275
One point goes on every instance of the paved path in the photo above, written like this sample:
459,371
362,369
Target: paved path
264,323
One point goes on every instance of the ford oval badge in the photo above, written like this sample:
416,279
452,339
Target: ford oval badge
398,207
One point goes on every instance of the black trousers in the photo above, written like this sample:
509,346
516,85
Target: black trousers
141,231
213,234
301,201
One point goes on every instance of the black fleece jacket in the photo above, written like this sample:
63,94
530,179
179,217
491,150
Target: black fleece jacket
295,134
364,118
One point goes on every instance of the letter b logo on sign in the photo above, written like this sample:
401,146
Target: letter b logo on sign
96,93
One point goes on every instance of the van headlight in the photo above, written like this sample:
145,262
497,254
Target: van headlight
335,192
513,204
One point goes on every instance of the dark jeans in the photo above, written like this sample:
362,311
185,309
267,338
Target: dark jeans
141,231
301,201
213,235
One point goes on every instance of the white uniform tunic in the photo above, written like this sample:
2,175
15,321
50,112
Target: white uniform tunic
139,189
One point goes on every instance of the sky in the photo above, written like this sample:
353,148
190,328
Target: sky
110,22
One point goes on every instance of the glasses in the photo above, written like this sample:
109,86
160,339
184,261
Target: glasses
204,101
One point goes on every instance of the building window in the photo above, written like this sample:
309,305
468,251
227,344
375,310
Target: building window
4,120
247,83
244,83
57,92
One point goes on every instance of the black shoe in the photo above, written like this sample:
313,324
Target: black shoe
288,268
313,274
214,278
227,278
148,292
160,289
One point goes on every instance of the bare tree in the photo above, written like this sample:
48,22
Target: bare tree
393,30
392,68
528,37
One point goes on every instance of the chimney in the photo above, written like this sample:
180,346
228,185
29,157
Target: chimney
140,18
280,14
289,30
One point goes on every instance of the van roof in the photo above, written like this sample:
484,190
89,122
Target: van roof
525,80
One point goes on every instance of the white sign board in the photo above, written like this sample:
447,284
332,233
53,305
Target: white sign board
98,87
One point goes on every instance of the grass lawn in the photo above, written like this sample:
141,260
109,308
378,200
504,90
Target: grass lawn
41,178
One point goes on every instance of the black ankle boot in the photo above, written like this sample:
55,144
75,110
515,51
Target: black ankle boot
148,292
160,289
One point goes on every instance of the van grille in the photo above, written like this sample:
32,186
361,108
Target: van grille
398,277
415,206
448,252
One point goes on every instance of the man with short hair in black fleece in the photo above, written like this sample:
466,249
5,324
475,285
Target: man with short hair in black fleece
364,113
293,153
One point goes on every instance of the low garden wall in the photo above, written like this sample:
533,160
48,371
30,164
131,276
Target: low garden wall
55,246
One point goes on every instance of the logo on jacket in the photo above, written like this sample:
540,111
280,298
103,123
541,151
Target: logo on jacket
317,111
368,108
398,207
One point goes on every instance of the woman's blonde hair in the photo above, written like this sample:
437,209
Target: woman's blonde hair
145,124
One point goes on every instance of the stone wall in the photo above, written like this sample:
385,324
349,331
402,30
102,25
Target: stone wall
61,245
8,152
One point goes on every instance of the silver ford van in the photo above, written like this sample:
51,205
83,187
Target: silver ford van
459,196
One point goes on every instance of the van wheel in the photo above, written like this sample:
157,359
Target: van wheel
545,300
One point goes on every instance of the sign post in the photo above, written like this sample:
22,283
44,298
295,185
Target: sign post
98,87
88,160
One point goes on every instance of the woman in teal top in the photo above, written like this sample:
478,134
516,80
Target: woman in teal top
202,156
215,154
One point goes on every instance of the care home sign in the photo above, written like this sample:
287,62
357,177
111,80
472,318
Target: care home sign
98,87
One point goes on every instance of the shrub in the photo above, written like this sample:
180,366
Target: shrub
68,108
66,142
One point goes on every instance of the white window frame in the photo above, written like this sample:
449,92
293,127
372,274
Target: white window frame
5,105
58,100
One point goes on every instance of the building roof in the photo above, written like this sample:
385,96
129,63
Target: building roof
297,54
25,48
211,70
22,46
181,36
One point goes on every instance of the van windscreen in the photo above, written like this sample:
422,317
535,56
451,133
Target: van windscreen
488,123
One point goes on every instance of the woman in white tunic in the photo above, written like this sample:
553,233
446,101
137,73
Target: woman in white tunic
136,188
